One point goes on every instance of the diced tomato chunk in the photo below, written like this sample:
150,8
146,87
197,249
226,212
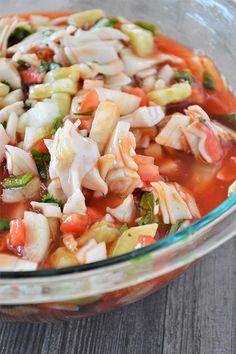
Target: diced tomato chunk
137,91
31,76
75,223
94,215
144,160
148,173
40,146
90,102
43,53
17,233
145,240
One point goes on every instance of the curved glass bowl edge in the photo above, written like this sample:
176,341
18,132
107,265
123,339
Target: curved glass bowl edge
208,221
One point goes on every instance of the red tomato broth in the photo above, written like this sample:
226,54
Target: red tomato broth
214,102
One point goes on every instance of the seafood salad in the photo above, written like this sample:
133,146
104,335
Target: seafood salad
112,137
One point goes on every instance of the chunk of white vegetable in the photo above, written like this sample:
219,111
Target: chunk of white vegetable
9,73
16,264
19,161
125,211
4,140
50,210
37,236
145,117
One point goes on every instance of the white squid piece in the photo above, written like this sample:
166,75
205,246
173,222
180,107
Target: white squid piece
125,211
145,117
176,204
122,177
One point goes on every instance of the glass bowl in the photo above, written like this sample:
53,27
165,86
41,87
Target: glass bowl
206,25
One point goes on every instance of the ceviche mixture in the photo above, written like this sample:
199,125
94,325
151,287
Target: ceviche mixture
111,137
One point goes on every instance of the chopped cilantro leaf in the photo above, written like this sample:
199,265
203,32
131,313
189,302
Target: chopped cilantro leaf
23,64
56,125
123,228
49,198
175,227
42,160
208,81
89,113
19,34
184,75
107,22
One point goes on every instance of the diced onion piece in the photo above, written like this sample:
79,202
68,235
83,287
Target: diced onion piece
50,210
9,73
125,211
81,254
4,140
37,236
173,94
96,253
41,115
145,117
125,102
32,135
141,39
81,18
16,264
19,161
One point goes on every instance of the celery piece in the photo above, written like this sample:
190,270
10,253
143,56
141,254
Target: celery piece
18,181
81,18
141,39
147,26
173,94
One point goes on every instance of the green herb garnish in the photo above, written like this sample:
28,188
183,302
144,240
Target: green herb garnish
18,181
6,83
42,160
145,219
175,227
56,125
49,198
147,26
48,33
47,66
107,22
89,113
203,121
208,81
147,201
123,228
4,224
184,75
4,124
53,65
231,117
23,64
19,34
